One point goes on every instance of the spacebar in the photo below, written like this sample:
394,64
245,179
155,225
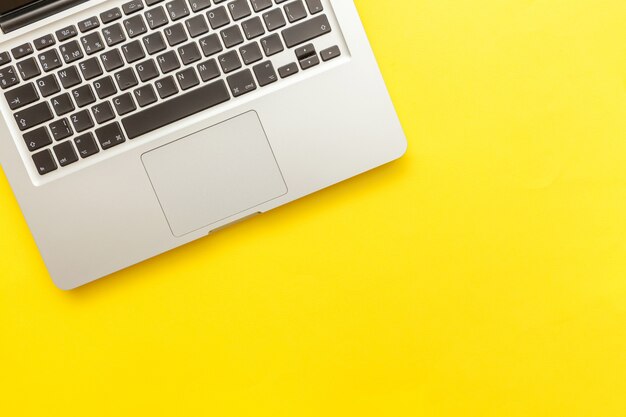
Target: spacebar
175,109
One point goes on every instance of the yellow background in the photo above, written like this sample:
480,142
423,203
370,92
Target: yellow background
484,274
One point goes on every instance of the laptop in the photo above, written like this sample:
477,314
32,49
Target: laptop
131,127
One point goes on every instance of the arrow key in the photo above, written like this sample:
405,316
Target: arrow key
21,96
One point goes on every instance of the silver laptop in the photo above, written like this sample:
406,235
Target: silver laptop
130,128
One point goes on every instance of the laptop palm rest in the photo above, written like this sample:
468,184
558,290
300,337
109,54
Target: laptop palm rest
214,174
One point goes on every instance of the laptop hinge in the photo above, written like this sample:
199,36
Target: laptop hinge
34,12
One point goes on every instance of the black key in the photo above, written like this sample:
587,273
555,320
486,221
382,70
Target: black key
110,135
229,61
145,95
82,121
175,34
90,68
259,5
124,104
135,26
305,51
156,17
309,62
218,17
154,43
199,5
232,36
152,2
65,153
178,108
111,15
126,79
112,60
288,70
37,139
66,33
5,58
189,53
114,34
104,87
306,31
92,43
88,24
272,45
8,77
22,50
48,85
253,27
274,19
132,6
86,145
330,53
33,116
295,11
211,45
62,104
177,9
265,73
197,25
44,42
208,70
251,53
133,52
147,70
315,6
44,162
69,77
28,68
166,87
168,62
187,79
103,112
50,60
241,83
239,9
61,129
21,96
83,95
71,52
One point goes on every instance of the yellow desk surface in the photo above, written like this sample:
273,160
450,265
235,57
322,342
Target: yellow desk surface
484,274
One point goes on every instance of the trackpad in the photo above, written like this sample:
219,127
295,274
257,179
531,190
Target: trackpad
214,174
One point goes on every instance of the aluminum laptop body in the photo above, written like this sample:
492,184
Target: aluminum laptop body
288,100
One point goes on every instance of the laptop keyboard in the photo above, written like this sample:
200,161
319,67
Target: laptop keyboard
89,87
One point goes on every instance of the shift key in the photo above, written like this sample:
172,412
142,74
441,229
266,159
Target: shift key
33,116
306,31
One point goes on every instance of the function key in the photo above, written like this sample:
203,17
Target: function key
5,58
66,33
22,50
44,162
111,15
132,6
88,24
44,42
153,2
